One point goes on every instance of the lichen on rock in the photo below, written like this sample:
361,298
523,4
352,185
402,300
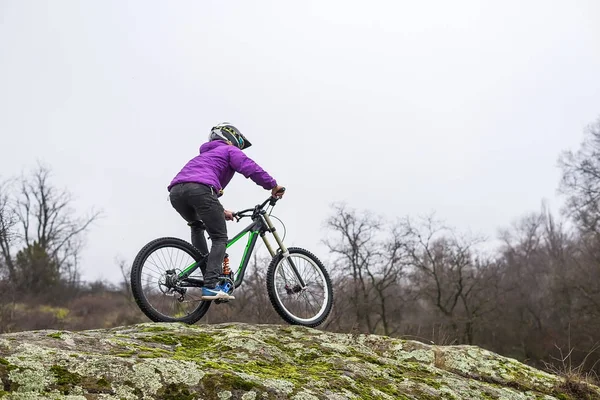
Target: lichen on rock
253,362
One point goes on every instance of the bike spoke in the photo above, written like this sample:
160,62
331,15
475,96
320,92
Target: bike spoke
169,300
307,303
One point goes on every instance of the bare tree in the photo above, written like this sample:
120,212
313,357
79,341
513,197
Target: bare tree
357,251
369,266
550,282
448,274
526,278
7,293
7,222
580,180
580,183
50,235
393,292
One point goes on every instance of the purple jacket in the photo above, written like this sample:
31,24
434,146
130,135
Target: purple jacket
217,163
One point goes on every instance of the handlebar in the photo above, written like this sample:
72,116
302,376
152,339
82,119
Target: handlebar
271,200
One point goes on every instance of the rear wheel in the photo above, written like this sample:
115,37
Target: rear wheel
155,288
309,306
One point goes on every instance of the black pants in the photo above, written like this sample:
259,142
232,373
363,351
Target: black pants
196,202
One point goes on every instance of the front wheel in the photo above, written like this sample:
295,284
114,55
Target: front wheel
308,306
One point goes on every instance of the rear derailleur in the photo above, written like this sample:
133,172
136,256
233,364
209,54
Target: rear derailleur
171,283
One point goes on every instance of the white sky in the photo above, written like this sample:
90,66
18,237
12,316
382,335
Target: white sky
399,107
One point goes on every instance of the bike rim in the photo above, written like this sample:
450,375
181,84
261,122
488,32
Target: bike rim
298,305
163,299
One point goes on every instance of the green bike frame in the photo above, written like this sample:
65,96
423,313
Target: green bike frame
260,225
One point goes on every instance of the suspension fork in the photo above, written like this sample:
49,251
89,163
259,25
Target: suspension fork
284,251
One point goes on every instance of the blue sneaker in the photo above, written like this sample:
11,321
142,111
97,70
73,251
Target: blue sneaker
217,292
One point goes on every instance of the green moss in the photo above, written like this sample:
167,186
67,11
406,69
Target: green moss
65,380
142,352
299,375
307,357
429,382
234,382
138,393
103,383
154,329
128,353
5,383
309,367
215,383
449,396
94,386
367,358
364,386
192,347
176,392
149,355
164,339
55,335
488,396
154,351
199,340
279,345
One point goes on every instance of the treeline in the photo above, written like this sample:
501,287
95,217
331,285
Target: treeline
536,297
40,243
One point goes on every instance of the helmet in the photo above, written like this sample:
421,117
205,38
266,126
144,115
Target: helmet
226,131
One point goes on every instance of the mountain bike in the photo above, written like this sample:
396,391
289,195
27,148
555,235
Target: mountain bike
295,276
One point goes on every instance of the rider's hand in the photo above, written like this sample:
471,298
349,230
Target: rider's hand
277,189
228,215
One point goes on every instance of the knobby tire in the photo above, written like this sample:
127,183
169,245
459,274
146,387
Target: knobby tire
271,289
136,284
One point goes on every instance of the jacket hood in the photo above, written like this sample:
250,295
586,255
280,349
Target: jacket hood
208,146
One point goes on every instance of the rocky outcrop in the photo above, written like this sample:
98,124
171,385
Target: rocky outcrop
241,361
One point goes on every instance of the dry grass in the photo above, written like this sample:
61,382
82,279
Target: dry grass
577,379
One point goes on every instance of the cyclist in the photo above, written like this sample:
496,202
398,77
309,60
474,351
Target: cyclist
195,190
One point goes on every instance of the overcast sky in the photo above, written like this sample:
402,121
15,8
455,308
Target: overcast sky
400,107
